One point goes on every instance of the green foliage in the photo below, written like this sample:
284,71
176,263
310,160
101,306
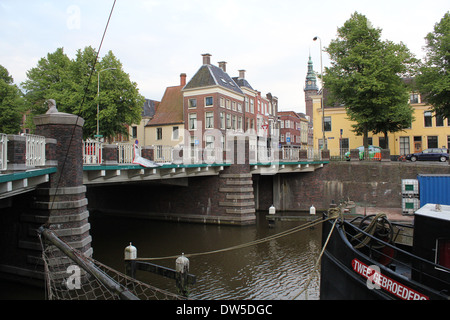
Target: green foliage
366,76
434,78
76,89
11,104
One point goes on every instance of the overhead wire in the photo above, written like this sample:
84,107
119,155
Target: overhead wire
83,101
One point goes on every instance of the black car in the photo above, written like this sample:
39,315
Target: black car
432,154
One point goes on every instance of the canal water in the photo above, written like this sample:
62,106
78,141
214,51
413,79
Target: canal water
275,270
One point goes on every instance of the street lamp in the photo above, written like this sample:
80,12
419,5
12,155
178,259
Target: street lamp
324,145
98,98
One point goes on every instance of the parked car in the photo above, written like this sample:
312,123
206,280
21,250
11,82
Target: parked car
432,154
374,153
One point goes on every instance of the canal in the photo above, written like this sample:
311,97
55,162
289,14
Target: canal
275,270
278,269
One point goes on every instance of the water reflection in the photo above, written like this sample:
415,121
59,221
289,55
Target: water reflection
273,270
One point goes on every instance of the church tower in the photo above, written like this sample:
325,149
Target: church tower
310,89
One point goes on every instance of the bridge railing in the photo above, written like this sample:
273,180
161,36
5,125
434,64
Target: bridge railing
163,154
126,152
35,150
3,151
92,152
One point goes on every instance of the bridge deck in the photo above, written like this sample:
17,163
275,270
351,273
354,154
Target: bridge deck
15,183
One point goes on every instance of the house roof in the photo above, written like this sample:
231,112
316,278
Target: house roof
149,108
242,83
209,75
170,109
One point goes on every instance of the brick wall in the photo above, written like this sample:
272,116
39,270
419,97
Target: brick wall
366,183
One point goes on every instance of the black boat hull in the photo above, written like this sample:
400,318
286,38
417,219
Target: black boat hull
345,274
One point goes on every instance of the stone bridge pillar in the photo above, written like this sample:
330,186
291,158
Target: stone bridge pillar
61,203
236,196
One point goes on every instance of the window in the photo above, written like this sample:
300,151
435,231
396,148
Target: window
239,124
192,121
158,133
432,142
246,105
382,143
414,98
427,119
175,133
209,120
228,121
239,107
222,120
404,145
192,103
222,102
209,144
134,132
252,106
327,123
209,101
439,121
233,123
233,106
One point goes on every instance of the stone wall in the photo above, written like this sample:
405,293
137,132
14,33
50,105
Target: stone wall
366,183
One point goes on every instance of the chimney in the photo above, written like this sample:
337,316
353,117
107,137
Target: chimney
223,66
183,79
241,74
206,58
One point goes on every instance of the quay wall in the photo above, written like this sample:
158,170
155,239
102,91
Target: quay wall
365,183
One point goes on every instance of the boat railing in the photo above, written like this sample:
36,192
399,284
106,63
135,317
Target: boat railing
392,256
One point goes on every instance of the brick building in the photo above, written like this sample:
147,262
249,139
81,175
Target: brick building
293,129
215,104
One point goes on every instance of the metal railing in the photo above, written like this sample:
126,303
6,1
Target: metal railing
163,154
35,150
3,151
92,152
126,152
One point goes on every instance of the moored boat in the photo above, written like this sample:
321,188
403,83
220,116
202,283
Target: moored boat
370,257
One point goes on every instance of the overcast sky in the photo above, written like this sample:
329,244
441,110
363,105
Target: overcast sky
156,40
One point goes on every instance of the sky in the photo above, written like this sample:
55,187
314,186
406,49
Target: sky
157,40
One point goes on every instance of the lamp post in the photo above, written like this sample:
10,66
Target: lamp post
98,98
324,144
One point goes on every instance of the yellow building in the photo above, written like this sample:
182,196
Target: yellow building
426,131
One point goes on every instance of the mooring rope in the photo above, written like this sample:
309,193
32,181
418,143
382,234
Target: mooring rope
248,244
316,266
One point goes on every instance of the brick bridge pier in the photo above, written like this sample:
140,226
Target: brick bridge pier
60,203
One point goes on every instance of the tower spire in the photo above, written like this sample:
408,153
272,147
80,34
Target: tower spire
311,79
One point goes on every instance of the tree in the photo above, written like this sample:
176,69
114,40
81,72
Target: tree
48,80
366,76
11,104
433,80
73,84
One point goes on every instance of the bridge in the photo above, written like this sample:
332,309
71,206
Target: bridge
24,164
47,178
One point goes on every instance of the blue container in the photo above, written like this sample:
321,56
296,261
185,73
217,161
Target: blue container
434,189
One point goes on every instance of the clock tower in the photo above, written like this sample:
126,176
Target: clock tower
310,89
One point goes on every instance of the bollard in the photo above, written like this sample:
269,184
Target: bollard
271,218
181,277
130,252
130,256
